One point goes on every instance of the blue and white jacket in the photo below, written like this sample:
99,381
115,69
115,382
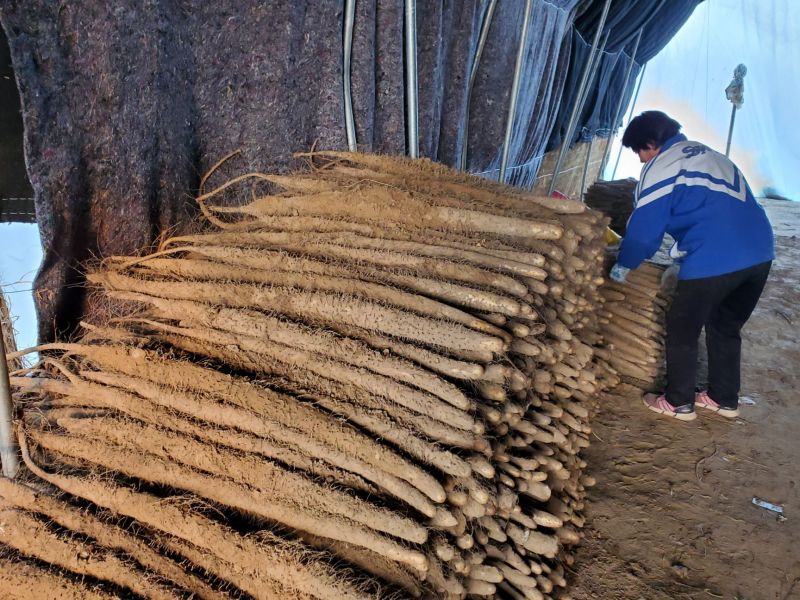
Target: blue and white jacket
702,200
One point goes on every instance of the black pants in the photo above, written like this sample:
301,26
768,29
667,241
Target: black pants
722,304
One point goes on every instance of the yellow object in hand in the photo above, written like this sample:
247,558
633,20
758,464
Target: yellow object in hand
612,237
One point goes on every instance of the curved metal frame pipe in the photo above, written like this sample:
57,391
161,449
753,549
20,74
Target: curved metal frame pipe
349,119
412,99
8,443
630,114
618,110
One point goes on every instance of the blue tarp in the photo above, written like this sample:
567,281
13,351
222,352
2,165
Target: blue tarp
659,21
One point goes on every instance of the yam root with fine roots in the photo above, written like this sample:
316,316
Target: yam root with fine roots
375,382
262,569
316,308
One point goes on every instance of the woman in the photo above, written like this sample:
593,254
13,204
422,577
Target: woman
725,249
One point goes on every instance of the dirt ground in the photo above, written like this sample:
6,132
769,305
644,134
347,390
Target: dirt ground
672,514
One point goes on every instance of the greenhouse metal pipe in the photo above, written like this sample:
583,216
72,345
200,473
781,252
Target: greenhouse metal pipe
349,120
8,443
595,68
730,132
630,115
512,104
586,167
573,118
618,110
487,21
412,101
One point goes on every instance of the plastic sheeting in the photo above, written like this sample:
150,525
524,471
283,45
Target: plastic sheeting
541,89
689,76
659,20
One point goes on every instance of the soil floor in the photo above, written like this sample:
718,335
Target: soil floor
672,515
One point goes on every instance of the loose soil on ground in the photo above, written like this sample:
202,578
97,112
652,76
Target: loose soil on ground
672,515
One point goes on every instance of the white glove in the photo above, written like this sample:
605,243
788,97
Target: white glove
619,273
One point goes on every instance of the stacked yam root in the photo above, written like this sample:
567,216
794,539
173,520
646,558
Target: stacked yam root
615,199
385,368
632,323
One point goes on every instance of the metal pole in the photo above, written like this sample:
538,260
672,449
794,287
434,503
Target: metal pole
412,102
595,65
573,118
586,167
487,21
8,443
630,116
730,131
512,104
607,153
349,120
595,69
735,93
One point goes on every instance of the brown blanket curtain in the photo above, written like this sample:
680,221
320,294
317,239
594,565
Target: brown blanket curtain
126,104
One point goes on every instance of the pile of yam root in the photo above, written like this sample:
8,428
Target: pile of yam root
632,318
375,381
632,323
615,199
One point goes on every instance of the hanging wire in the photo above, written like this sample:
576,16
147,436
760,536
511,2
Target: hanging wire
708,51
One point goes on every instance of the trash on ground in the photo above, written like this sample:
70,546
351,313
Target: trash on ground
680,570
776,508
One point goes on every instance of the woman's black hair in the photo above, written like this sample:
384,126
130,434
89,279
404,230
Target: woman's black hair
650,129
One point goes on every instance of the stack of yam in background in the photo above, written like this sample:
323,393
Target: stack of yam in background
614,199
374,382
633,321
632,317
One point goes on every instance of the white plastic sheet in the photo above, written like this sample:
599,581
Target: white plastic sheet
687,79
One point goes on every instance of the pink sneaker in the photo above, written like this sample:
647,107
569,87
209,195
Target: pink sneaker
660,405
703,400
